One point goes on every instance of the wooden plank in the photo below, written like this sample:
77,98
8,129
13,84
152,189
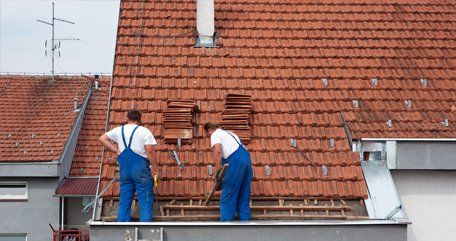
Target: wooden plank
217,184
270,208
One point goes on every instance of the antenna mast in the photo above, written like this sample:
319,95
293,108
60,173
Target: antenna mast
55,46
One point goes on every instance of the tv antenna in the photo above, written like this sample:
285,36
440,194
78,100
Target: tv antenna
55,43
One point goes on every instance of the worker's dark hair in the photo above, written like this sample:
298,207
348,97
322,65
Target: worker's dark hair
210,126
134,115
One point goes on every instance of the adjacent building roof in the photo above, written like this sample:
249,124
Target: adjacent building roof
77,186
37,115
85,167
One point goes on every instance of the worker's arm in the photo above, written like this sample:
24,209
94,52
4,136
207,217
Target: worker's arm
217,155
108,144
150,151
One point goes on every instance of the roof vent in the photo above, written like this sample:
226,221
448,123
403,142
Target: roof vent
325,82
424,82
408,103
445,122
96,85
375,81
205,23
389,123
356,104
75,104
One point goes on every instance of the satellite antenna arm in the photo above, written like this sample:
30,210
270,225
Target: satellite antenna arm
65,21
41,21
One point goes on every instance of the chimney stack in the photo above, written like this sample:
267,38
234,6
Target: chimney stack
205,23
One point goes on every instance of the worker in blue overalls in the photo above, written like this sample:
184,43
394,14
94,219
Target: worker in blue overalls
137,160
228,148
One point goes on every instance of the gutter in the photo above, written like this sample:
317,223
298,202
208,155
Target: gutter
408,139
254,223
78,120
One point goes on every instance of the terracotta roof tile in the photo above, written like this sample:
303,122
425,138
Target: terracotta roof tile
77,186
37,116
279,54
87,157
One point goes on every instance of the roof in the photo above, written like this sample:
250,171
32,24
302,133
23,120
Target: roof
282,55
37,115
88,152
77,186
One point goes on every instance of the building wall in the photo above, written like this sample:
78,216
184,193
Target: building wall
74,218
429,199
32,217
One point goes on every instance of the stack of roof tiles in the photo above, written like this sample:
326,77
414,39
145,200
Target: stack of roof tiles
282,54
236,116
37,115
178,120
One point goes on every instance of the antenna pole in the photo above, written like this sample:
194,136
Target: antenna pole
54,46
52,41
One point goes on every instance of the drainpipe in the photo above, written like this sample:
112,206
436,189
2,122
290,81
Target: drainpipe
62,205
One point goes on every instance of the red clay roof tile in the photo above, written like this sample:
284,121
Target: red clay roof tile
279,54
37,115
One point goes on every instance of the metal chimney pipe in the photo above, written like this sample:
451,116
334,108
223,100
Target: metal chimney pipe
205,22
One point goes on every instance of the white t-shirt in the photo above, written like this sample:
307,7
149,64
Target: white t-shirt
229,145
142,137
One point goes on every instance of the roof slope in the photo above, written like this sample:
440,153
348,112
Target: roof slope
37,116
87,156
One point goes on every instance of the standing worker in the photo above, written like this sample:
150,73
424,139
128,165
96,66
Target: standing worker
136,159
228,148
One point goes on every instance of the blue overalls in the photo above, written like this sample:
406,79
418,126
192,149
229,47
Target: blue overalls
236,185
134,177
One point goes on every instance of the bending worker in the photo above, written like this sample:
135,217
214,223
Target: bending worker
228,148
136,160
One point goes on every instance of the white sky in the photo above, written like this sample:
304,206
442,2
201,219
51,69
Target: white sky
22,37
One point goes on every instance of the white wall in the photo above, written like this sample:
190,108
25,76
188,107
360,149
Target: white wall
429,199
32,217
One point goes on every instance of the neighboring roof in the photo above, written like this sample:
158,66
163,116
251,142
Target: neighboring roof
37,115
88,152
79,186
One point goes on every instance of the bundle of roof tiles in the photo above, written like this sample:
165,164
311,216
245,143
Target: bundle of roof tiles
178,121
236,116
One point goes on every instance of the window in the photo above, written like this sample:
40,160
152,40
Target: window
13,191
13,237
